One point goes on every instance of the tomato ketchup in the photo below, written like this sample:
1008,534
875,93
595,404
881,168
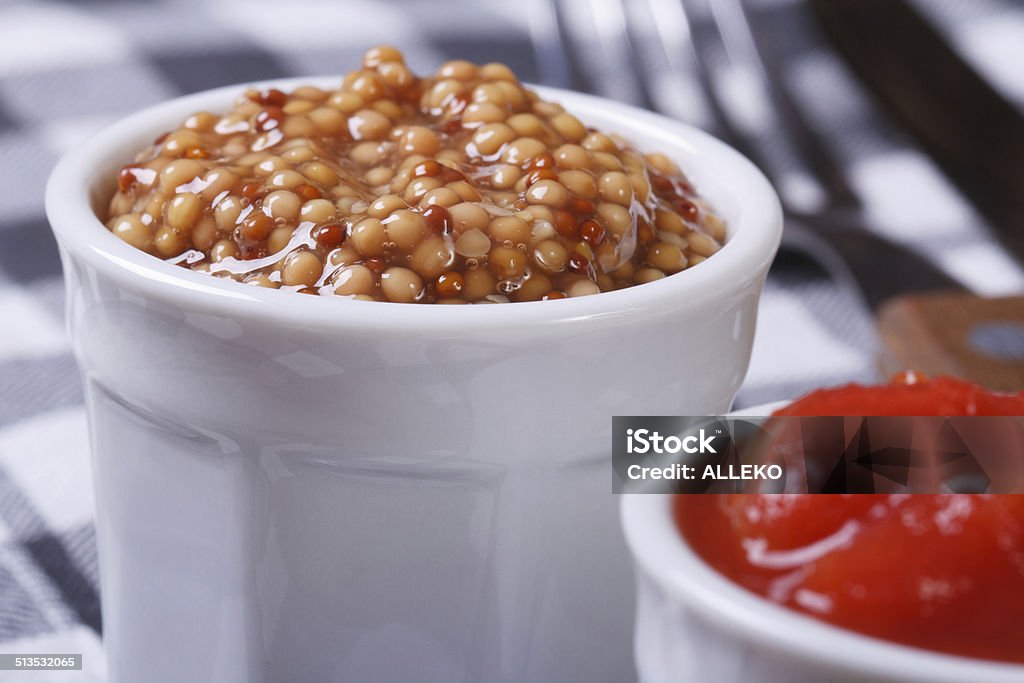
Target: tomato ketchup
940,572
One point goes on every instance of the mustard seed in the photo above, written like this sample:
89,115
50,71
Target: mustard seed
449,284
401,285
353,280
438,220
301,268
183,211
507,262
460,187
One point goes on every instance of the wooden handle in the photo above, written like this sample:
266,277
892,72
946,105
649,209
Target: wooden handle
963,335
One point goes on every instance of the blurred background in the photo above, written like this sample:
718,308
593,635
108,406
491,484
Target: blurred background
888,187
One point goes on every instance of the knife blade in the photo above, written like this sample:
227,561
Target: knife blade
969,129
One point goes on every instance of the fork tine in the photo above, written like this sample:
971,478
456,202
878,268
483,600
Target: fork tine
673,33
546,36
675,36
838,240
731,20
664,72
595,36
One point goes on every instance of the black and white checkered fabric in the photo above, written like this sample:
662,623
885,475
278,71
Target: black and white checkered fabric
68,68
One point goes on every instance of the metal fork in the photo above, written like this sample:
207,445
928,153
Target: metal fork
829,224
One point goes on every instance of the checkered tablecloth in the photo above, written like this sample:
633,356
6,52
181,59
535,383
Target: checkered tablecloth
68,68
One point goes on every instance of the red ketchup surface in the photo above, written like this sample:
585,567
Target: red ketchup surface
940,572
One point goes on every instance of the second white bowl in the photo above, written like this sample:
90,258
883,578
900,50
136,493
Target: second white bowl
694,625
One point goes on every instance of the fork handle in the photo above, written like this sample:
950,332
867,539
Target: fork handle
978,339
875,267
926,321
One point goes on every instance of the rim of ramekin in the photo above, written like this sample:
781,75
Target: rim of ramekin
663,554
753,236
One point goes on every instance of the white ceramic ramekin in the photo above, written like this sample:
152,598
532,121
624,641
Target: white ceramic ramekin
307,488
694,625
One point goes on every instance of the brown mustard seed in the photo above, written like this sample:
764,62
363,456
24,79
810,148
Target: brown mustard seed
449,284
438,219
271,96
451,175
592,232
428,168
307,192
567,225
687,210
581,206
375,264
330,235
269,119
257,226
252,190
545,160
578,263
126,179
540,174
